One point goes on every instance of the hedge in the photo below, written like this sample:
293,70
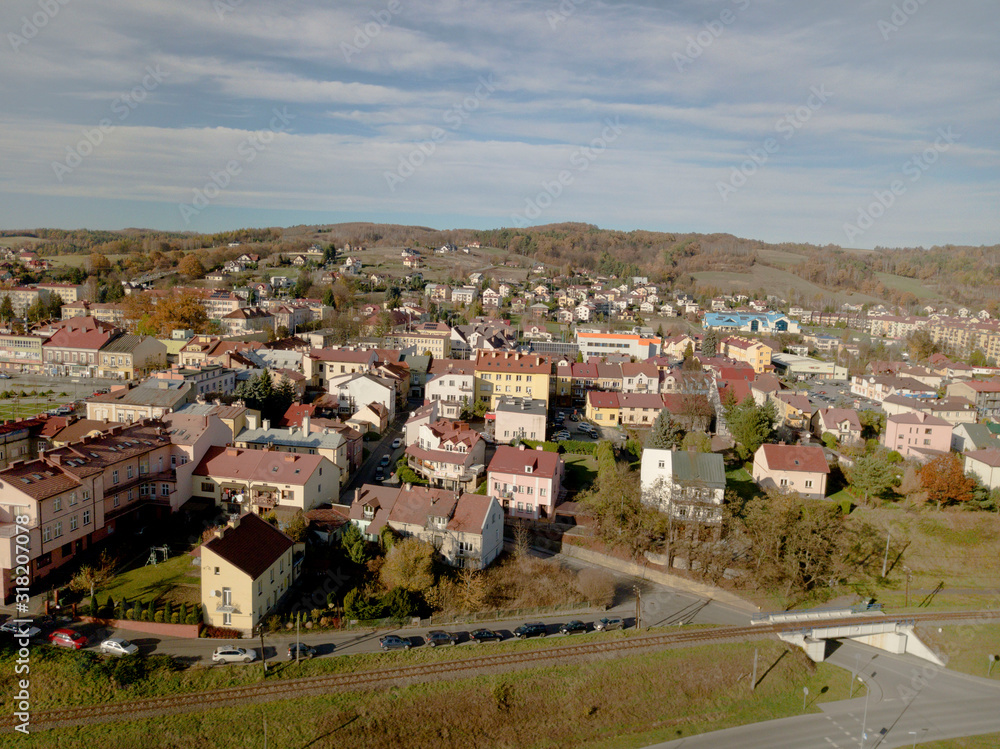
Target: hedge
578,446
549,447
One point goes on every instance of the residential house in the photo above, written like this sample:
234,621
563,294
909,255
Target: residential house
639,409
519,418
917,435
464,294
302,440
263,480
247,568
73,347
640,377
206,379
687,486
985,464
603,408
793,468
448,454
320,365
984,394
150,400
451,383
526,483
754,353
971,437
131,357
373,417
351,392
465,529
794,409
842,423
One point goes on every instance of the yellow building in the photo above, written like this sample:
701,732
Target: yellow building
434,337
754,353
499,373
131,357
604,409
245,571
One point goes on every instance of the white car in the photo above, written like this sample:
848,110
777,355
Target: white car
227,654
22,630
117,646
397,443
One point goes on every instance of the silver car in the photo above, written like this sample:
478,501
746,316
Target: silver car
608,623
19,630
118,646
229,654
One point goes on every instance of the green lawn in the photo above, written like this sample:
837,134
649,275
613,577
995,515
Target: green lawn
986,741
966,646
581,471
740,480
912,285
176,576
621,702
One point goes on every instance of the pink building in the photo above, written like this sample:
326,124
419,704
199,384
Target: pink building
526,483
917,435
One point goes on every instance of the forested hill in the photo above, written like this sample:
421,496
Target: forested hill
705,262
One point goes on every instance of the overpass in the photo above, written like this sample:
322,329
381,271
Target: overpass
897,637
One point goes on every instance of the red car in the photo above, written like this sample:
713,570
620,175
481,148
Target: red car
67,638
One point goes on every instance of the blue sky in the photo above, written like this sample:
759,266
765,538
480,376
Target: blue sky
863,124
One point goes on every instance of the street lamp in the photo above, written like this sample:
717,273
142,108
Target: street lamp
864,721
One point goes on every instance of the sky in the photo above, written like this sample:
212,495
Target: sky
858,123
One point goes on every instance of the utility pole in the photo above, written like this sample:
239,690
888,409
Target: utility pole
908,574
263,656
298,616
885,558
753,680
638,606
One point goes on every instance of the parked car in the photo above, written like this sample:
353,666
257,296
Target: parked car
439,637
118,646
384,461
23,630
485,635
4,376
574,417
608,623
397,443
67,638
560,435
379,473
531,629
573,627
392,642
301,650
229,654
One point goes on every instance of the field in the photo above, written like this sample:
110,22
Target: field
966,646
987,741
912,285
439,268
581,471
177,579
626,702
20,408
953,553
19,241
775,281
77,261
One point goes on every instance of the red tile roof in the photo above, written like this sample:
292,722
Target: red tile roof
515,460
258,465
506,361
599,399
797,458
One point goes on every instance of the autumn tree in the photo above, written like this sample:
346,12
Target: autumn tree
409,565
191,267
91,576
99,263
945,481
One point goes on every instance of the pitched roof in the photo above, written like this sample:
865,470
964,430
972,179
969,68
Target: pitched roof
258,465
516,459
252,546
834,416
799,458
599,399
990,456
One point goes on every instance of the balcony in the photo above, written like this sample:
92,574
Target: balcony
228,608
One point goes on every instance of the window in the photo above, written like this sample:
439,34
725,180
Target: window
114,477
164,490
542,491
227,619
128,472
216,570
207,486
784,482
260,587
131,494
57,529
46,533
662,464
56,504
809,484
86,517
73,523
116,501
272,574
72,499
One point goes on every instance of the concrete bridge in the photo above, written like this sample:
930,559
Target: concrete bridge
897,637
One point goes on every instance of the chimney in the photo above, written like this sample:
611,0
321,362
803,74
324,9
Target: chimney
220,532
265,424
520,446
305,425
408,486
234,520
253,421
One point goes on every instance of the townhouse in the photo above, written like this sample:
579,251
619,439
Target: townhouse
452,384
320,365
519,418
592,344
917,435
526,483
433,337
984,394
513,374
21,354
205,379
131,357
302,440
73,348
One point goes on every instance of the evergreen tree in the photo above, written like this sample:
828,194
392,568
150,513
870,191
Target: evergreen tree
666,434
710,344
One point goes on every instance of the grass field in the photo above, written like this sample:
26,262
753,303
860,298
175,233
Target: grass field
775,281
624,702
966,646
987,741
177,579
740,480
956,550
19,241
21,408
912,285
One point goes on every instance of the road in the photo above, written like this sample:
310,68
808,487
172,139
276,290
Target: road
366,473
909,701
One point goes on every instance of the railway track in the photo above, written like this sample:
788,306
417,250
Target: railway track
307,686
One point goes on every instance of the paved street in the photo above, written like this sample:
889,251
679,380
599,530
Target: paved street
910,700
